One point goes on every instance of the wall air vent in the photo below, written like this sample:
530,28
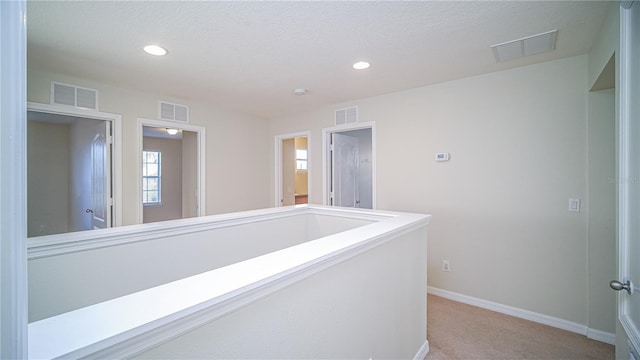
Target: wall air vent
71,95
173,112
347,115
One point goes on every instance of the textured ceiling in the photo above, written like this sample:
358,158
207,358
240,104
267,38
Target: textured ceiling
249,56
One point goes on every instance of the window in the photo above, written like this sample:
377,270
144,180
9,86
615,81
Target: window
151,177
301,159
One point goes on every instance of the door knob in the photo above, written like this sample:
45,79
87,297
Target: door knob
617,286
89,211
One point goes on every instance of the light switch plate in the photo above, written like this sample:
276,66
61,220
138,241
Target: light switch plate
574,205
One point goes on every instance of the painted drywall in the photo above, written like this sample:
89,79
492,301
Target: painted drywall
170,180
357,309
601,177
189,174
518,144
601,210
48,178
605,45
229,187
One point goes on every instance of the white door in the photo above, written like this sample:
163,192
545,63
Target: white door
627,329
344,170
288,172
100,177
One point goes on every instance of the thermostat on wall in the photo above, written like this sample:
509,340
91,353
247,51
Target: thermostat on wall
442,157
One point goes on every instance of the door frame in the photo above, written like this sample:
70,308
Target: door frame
200,149
116,147
624,328
326,173
278,139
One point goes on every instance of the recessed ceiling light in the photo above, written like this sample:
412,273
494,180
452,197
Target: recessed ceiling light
171,131
361,65
155,50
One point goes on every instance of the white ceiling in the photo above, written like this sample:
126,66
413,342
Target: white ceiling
250,56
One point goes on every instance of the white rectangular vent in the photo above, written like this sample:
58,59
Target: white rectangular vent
70,95
174,112
347,115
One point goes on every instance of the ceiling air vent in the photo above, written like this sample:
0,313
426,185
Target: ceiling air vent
174,112
347,115
70,95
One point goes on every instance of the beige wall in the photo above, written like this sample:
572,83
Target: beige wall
236,176
601,209
601,173
518,145
48,178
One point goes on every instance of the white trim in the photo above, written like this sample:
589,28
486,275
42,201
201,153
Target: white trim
13,180
278,163
325,173
525,314
627,144
60,244
422,352
145,330
201,148
602,336
116,153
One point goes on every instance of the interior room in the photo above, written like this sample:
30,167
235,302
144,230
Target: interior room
499,120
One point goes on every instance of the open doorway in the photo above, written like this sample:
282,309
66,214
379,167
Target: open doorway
171,171
70,170
349,166
292,169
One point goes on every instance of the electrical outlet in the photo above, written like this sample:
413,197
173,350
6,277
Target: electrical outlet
445,265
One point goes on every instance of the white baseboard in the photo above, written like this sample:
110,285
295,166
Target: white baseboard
598,335
422,352
603,336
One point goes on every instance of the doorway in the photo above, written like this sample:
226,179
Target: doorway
292,169
71,182
349,166
171,171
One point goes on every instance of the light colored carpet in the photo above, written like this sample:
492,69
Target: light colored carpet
459,331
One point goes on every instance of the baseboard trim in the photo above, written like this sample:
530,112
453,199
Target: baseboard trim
422,352
603,336
598,335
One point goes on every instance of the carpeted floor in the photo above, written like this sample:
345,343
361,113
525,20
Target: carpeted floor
459,331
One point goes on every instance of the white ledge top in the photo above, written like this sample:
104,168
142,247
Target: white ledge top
94,328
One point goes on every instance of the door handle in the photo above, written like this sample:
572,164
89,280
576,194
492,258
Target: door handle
617,286
89,211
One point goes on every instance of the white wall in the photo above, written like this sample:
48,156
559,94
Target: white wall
237,145
356,309
518,148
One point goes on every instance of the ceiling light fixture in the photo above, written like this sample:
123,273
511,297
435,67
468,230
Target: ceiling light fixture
300,91
361,65
172,131
155,50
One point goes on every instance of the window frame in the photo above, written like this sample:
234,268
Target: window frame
302,160
158,177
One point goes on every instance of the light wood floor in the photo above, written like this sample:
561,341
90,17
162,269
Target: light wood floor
459,331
